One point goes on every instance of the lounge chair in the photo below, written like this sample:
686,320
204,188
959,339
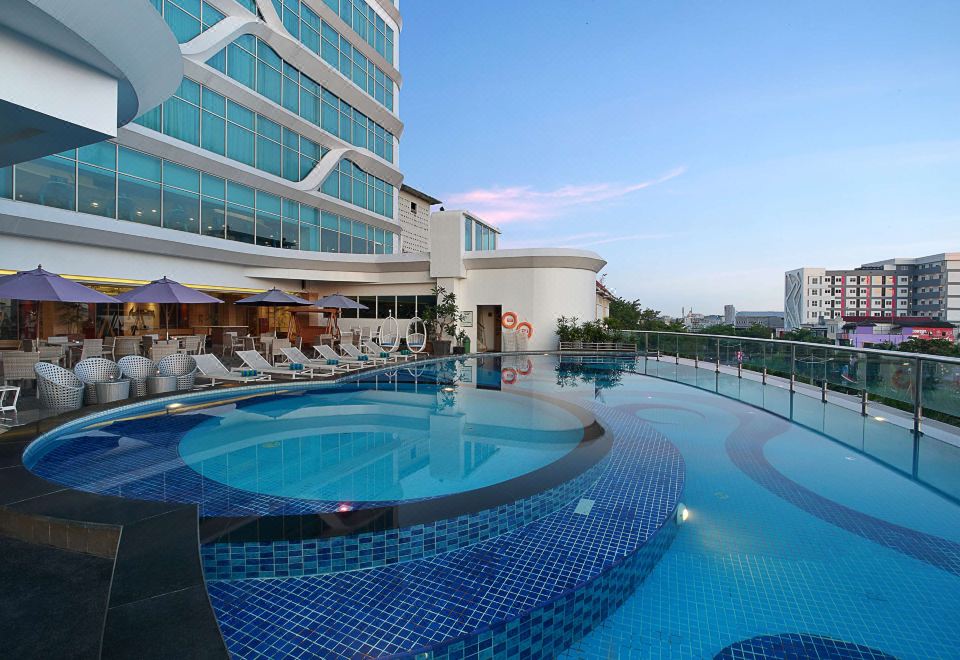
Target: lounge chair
327,353
254,360
374,349
296,355
354,352
210,368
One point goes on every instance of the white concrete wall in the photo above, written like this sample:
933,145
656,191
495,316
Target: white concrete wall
537,295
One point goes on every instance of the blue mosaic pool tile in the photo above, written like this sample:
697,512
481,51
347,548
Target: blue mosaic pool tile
533,590
793,646
225,561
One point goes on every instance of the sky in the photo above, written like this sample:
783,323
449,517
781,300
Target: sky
701,148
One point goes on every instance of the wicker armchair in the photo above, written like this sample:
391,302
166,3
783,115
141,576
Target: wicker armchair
58,388
92,348
127,346
183,366
52,354
137,368
95,370
161,349
19,366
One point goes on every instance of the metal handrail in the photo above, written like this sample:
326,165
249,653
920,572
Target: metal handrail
850,349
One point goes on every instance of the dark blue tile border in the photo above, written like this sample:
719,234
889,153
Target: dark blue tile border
797,646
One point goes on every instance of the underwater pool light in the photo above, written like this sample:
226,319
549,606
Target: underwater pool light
682,513
880,419
449,389
173,406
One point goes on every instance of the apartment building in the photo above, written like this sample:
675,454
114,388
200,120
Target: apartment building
922,287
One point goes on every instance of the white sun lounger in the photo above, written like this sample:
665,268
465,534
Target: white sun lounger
354,352
327,353
373,348
210,368
296,355
254,360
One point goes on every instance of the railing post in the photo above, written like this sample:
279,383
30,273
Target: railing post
823,391
918,398
718,355
793,366
863,401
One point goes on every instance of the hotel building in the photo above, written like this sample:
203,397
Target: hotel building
237,145
917,287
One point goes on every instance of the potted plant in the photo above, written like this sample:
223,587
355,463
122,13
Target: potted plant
441,321
463,343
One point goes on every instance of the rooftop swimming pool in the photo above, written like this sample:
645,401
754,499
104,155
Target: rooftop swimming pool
542,506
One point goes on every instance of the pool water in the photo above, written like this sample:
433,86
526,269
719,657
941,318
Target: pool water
797,544
366,445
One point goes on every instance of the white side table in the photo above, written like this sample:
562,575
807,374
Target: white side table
6,392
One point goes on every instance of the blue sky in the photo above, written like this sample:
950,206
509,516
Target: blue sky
702,148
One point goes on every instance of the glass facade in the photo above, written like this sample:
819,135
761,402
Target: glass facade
105,180
351,184
206,119
402,307
362,18
477,236
187,18
252,63
318,36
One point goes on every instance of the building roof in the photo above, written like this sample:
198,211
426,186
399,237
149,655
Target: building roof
413,192
604,292
896,321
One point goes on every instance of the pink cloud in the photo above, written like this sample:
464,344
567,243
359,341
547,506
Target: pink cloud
523,204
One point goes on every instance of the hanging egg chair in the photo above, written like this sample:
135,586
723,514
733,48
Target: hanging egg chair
417,335
389,335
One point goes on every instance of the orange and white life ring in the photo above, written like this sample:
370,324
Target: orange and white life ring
508,376
509,320
526,371
526,328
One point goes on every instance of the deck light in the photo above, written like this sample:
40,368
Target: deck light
880,419
173,406
682,513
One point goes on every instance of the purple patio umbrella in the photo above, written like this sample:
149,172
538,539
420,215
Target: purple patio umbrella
40,285
165,291
340,302
273,298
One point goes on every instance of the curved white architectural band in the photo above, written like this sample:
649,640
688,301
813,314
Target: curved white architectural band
226,31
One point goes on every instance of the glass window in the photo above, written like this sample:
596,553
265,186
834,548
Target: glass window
424,303
181,210
309,237
330,240
268,229
406,307
138,200
240,223
371,303
50,181
213,216
467,234
96,190
181,120
213,133
180,176
386,305
101,154
6,182
139,164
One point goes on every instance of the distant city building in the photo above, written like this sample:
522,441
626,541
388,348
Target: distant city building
695,321
729,314
927,287
870,331
414,214
604,297
772,320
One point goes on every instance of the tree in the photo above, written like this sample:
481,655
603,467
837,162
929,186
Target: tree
943,347
807,335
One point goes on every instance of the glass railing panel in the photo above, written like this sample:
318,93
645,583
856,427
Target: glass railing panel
808,411
751,392
938,465
687,374
889,443
890,380
728,385
777,400
844,425
940,391
777,359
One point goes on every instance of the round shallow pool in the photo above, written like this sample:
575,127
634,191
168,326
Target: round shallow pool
316,449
